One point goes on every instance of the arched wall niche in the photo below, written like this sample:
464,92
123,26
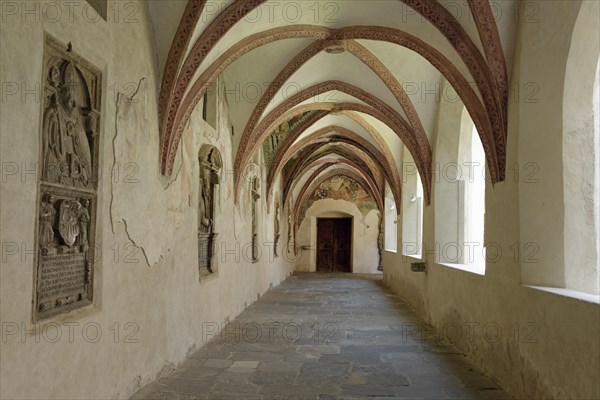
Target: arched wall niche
210,167
412,209
460,192
446,156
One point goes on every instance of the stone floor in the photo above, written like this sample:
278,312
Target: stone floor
325,336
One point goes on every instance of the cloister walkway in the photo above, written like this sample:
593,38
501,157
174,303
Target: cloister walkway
325,336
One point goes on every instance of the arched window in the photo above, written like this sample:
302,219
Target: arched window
412,208
580,152
558,156
391,220
473,180
210,163
460,197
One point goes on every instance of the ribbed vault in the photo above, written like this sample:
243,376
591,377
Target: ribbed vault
381,101
325,136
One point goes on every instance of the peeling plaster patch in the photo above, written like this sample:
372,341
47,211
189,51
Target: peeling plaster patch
139,198
121,98
136,245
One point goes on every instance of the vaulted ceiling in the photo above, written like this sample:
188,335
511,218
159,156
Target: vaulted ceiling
366,77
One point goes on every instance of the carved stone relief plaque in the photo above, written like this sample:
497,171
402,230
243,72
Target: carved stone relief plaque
290,243
255,195
276,233
67,192
210,172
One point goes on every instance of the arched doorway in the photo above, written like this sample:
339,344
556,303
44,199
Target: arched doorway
334,244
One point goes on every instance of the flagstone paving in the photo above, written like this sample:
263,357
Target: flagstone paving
326,336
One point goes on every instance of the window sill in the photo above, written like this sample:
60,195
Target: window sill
574,294
418,257
391,251
467,268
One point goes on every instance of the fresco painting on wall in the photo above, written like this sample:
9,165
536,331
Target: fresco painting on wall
273,142
343,188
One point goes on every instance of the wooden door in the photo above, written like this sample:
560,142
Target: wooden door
334,244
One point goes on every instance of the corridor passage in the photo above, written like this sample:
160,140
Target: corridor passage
325,336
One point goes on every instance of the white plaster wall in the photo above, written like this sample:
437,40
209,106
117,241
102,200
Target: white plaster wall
548,345
147,281
365,256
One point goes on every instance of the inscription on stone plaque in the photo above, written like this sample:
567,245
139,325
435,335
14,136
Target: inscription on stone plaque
64,279
67,192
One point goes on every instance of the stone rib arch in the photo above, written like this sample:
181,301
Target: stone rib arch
314,144
325,109
359,157
445,22
183,36
357,160
320,165
437,16
329,108
418,146
173,92
343,148
323,165
487,125
362,54
404,130
492,47
289,149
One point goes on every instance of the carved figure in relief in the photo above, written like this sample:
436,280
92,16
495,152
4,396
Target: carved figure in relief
67,157
276,229
47,217
204,215
276,225
52,155
83,216
255,193
289,227
380,239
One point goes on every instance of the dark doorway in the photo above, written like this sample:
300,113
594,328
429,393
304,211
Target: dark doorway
334,244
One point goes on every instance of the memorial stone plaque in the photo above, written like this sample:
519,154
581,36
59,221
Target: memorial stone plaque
69,176
210,168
